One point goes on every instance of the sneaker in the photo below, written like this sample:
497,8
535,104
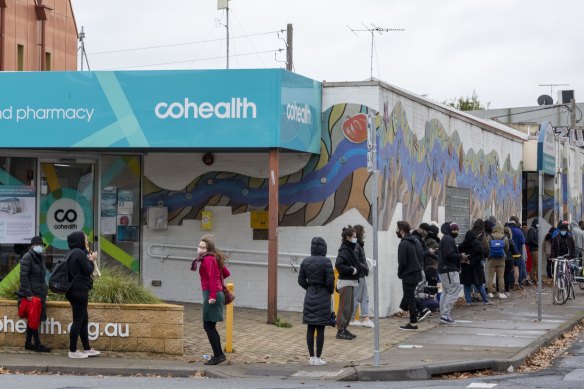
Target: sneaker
351,334
423,315
502,295
77,355
488,303
216,360
409,327
368,323
343,335
490,295
319,362
311,361
355,323
446,320
91,353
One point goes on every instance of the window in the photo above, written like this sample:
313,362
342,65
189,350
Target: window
20,58
48,65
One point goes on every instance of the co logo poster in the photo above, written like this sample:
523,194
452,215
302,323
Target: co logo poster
61,216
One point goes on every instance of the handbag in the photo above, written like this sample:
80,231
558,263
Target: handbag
333,318
229,296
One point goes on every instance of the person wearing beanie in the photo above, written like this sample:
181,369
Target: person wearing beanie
32,284
563,243
449,261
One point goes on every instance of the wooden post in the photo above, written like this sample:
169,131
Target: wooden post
273,186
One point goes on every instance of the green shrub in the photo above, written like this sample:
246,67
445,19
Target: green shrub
282,323
113,287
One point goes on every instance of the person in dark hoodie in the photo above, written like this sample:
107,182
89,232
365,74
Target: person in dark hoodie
317,279
449,261
409,257
347,264
32,283
473,272
81,266
531,241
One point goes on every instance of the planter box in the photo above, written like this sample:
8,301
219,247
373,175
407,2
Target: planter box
156,328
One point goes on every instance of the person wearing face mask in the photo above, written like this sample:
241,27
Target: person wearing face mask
409,258
449,261
211,271
32,284
563,243
347,265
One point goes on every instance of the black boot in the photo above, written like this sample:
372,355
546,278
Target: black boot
41,348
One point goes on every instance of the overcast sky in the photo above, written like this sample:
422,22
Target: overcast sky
503,49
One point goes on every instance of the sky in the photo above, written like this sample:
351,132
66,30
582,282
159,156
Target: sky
501,49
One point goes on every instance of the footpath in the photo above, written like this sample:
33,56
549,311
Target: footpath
484,337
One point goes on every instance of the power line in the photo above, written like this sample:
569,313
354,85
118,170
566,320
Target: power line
182,44
191,60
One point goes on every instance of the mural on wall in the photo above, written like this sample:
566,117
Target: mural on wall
412,172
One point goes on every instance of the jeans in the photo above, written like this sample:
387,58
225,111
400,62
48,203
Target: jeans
522,271
79,300
450,290
468,292
360,297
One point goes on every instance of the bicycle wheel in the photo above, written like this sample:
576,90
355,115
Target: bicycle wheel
560,289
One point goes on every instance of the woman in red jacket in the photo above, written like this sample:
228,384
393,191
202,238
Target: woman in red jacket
212,265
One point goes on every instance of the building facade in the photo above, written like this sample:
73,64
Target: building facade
37,35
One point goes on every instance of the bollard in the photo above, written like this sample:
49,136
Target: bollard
229,323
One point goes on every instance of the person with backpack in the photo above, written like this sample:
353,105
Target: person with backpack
509,272
316,277
519,240
81,265
473,272
32,284
497,245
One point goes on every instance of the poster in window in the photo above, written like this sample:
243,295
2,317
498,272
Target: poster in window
128,233
125,202
17,213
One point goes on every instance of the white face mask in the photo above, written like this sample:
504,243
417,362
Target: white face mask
37,249
354,240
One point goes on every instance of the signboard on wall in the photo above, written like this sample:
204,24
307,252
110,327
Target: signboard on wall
546,149
458,209
17,214
258,220
240,108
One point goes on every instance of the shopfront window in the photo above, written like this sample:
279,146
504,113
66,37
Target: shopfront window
17,209
120,212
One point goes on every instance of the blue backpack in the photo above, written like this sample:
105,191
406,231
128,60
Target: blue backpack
497,248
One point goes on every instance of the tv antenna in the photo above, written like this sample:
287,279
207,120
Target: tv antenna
372,30
81,49
552,87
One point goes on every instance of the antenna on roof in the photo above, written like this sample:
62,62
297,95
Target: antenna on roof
372,30
552,87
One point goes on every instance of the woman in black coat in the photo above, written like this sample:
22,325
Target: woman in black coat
473,272
81,266
33,284
317,278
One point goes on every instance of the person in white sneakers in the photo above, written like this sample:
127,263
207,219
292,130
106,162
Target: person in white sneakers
81,265
361,296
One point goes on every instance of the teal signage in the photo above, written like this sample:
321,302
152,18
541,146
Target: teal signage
546,149
255,108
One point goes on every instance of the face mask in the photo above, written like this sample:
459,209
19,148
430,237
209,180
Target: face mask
537,226
454,234
354,240
38,249
563,233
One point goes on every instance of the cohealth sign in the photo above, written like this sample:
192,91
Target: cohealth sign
254,108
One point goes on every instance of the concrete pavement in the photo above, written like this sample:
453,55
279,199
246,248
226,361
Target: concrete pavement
496,336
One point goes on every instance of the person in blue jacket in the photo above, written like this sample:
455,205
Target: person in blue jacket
519,240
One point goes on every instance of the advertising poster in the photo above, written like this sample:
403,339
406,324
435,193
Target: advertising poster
17,214
109,198
128,233
125,202
124,220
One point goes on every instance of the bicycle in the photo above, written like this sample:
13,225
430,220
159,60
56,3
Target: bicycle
564,279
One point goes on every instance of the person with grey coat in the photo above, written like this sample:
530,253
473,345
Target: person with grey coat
317,279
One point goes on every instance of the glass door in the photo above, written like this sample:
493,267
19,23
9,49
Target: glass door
67,204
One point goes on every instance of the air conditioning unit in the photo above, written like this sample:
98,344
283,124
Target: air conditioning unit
565,96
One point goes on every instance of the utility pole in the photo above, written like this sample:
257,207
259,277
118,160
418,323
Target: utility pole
289,48
81,46
573,113
224,4
372,30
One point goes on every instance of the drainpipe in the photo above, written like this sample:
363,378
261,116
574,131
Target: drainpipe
41,13
2,32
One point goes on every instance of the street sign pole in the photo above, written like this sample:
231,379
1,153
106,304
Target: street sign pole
539,245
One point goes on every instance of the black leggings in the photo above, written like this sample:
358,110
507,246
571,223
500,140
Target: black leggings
79,300
214,338
319,339
32,335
